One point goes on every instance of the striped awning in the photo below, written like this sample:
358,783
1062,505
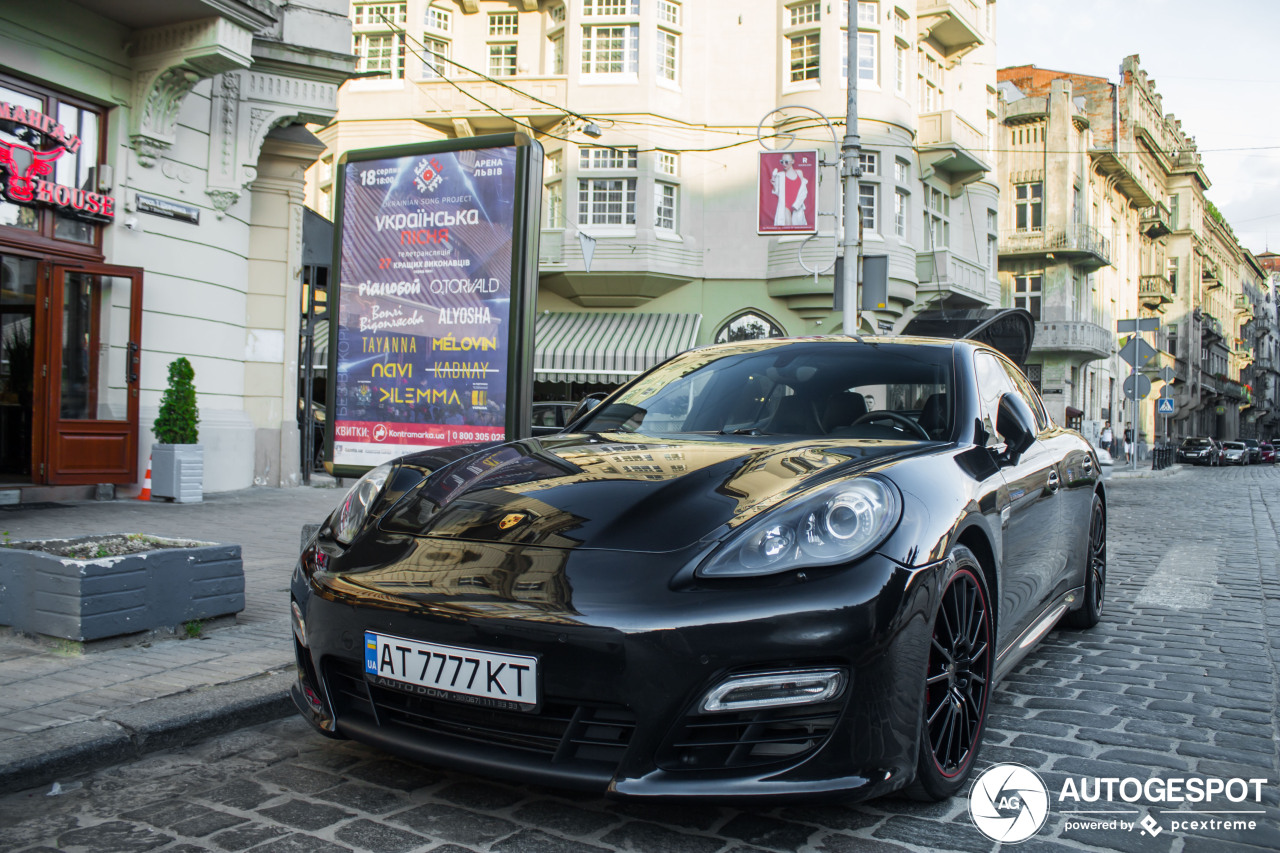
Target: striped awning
607,346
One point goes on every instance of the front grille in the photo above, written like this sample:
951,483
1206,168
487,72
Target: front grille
559,731
749,738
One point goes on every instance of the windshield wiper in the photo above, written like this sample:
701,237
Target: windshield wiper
742,431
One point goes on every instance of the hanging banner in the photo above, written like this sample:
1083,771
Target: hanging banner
787,192
435,268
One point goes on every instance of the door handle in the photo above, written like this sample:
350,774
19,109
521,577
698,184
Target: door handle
132,362
1055,482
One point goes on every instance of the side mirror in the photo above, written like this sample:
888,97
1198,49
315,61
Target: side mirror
1017,425
587,403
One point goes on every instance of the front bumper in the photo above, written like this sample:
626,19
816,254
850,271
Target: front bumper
622,672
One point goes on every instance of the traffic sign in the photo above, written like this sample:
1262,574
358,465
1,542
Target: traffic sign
1164,405
1138,352
1146,324
1167,374
1137,387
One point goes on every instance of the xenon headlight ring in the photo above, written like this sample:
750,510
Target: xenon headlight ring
834,524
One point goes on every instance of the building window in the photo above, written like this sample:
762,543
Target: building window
557,14
594,159
1173,212
503,23
869,162
669,12
557,53
502,60
1171,266
899,69
666,196
439,20
803,13
937,218
380,14
665,162
379,54
868,57
611,50
1035,375
1026,293
435,56
668,55
610,8
993,256
607,201
555,205
748,326
900,213
804,57
899,23
868,14
901,171
867,206
1028,205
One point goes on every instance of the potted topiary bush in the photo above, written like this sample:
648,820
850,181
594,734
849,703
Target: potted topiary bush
177,460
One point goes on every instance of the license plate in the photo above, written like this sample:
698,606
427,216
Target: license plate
452,672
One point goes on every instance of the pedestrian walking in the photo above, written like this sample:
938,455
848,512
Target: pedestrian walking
1128,443
1107,438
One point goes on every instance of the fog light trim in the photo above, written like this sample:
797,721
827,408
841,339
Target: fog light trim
299,624
774,690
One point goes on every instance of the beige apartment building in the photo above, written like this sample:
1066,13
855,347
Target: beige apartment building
653,117
1106,219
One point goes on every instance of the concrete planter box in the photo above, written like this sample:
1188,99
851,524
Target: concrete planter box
177,472
94,598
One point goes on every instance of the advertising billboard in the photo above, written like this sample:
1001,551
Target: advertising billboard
435,264
787,192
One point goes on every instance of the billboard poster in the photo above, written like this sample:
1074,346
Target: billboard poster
787,192
427,338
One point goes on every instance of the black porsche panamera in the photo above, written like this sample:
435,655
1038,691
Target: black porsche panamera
775,568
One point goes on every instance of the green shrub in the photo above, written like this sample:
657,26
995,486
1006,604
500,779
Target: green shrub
178,417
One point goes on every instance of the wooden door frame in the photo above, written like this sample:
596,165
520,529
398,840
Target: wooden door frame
54,281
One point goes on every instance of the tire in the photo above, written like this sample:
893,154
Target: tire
1095,573
957,682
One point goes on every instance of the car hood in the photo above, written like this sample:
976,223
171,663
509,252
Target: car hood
622,491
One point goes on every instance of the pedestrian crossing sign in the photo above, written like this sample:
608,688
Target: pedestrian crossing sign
1164,405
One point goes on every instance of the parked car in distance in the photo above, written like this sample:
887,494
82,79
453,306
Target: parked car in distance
1198,451
1268,453
778,568
1235,453
1255,450
550,417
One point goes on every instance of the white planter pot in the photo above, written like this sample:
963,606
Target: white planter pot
177,472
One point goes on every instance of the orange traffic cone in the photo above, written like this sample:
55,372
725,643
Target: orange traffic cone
145,494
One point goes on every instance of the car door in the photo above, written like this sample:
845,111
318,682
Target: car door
1031,519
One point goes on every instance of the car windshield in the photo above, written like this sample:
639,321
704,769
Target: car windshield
809,389
1195,442
1233,445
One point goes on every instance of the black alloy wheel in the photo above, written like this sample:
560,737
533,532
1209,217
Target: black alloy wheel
957,681
1095,578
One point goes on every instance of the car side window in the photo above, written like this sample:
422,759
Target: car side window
993,383
544,416
1028,393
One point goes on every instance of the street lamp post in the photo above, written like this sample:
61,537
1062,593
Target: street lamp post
850,172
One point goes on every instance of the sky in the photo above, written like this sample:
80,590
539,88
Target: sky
1213,64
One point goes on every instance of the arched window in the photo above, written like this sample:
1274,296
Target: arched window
748,327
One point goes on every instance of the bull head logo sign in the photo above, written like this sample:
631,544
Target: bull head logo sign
23,164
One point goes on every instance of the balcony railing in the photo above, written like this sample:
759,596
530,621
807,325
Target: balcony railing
450,100
953,25
1155,291
944,270
949,144
1155,221
1076,242
1210,327
1211,275
1076,336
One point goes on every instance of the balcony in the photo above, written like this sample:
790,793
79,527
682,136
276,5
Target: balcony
1210,328
1155,221
943,274
1077,243
950,146
453,106
951,25
1120,166
1244,307
1210,275
1073,336
1155,291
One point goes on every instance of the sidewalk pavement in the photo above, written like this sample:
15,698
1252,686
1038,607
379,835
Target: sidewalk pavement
67,707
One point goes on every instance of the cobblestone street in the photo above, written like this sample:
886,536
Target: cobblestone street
1178,681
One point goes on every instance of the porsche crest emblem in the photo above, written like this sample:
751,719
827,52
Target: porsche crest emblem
510,520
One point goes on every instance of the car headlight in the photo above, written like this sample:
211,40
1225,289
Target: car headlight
835,524
355,506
